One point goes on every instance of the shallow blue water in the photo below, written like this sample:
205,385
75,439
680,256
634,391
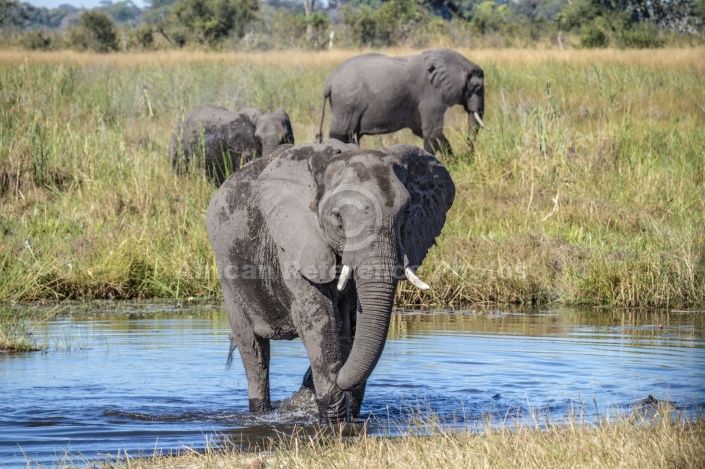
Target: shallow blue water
158,383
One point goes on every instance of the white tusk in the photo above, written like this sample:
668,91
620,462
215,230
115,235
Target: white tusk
343,280
417,282
478,119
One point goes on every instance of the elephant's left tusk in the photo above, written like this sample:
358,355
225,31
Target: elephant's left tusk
343,280
417,282
478,119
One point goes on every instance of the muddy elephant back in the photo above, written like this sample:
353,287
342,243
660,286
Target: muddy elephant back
230,146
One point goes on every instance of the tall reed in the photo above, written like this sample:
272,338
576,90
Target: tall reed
586,189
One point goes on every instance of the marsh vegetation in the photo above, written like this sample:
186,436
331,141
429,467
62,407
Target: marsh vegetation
586,189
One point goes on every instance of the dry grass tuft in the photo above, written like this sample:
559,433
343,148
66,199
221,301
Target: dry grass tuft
652,58
656,441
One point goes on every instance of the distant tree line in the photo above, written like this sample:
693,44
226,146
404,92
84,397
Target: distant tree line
261,25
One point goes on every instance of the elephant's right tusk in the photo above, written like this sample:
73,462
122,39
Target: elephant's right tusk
417,282
478,119
343,280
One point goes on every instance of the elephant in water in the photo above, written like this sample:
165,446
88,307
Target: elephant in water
224,140
311,242
375,94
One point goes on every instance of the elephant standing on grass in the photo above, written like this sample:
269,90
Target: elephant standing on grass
375,94
311,242
224,140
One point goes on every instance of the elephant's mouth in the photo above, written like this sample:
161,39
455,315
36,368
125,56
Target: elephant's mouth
409,274
478,119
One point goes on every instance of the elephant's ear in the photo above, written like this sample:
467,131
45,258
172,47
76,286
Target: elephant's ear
286,197
286,121
282,113
431,193
251,113
446,73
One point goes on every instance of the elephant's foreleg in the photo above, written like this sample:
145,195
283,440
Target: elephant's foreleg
318,332
434,141
437,143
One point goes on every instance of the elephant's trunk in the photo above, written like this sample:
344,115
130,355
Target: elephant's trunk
269,147
375,289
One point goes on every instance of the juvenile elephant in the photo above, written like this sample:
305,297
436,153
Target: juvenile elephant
224,140
310,242
375,94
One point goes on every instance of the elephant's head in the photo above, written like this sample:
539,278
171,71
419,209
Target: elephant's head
459,81
271,128
369,215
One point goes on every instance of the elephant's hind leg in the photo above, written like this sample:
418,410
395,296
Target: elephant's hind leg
254,352
255,358
345,130
307,382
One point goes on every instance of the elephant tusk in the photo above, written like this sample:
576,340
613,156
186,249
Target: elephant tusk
343,280
417,282
478,119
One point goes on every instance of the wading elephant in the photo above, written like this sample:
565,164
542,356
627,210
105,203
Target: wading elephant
375,94
224,140
310,242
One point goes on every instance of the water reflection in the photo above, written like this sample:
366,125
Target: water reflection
155,377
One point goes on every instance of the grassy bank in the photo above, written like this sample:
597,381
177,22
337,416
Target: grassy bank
655,442
17,327
589,187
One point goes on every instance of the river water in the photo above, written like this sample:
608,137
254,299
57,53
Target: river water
152,379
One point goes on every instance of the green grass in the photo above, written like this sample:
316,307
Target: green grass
589,187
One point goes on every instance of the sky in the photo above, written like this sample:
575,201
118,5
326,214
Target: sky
75,3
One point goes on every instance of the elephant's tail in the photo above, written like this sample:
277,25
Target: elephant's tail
326,95
233,346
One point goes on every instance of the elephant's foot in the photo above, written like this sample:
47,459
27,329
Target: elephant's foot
355,397
332,408
260,405
354,403
303,400
308,381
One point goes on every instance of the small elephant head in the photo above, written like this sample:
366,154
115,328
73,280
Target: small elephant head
459,82
271,128
368,215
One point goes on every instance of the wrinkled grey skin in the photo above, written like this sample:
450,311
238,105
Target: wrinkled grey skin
281,229
375,94
226,139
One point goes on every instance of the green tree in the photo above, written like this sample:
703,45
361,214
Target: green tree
7,11
211,21
680,16
157,15
143,36
392,23
96,32
539,10
489,16
122,12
